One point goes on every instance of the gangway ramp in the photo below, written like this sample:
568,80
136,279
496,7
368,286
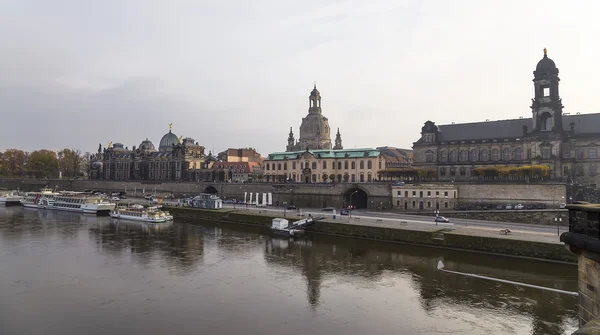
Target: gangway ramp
305,222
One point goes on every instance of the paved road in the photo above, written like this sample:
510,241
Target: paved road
530,228
419,219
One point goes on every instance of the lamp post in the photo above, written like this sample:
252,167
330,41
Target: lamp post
351,202
284,208
558,221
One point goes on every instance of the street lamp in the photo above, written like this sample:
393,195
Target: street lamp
351,202
284,208
558,221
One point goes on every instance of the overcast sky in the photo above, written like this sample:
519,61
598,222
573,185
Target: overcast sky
238,73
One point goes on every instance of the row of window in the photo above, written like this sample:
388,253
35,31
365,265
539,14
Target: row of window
338,178
313,166
152,165
421,204
592,153
421,193
486,155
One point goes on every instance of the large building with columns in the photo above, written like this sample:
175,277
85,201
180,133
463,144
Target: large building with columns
561,145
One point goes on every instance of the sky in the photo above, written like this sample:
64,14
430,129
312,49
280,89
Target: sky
234,74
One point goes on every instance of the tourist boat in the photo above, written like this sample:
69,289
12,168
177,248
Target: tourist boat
35,199
9,198
138,214
68,201
162,213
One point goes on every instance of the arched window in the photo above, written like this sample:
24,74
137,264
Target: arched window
506,154
369,177
285,166
362,165
443,156
429,157
473,155
314,165
346,165
362,177
353,165
464,156
339,165
369,165
453,155
485,155
324,164
546,122
518,154
272,166
268,166
495,155
278,166
353,178
546,152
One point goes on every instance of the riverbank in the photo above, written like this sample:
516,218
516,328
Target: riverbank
518,244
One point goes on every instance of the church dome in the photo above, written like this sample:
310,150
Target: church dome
545,67
168,141
545,64
147,145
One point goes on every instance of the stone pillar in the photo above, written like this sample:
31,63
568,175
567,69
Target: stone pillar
583,239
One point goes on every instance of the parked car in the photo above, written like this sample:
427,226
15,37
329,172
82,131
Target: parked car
441,219
519,206
291,207
351,207
509,206
344,212
115,198
562,206
327,209
148,197
500,207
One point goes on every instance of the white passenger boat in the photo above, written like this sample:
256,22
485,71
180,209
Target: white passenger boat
68,201
138,214
35,199
9,198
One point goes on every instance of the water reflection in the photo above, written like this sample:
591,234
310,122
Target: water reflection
117,276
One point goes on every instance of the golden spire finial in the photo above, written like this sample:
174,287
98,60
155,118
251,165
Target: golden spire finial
315,84
110,144
179,139
545,51
170,126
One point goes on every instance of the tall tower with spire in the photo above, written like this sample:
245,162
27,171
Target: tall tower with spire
291,141
338,141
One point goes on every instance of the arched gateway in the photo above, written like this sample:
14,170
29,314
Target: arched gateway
211,190
357,197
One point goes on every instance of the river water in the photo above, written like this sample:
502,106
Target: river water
63,273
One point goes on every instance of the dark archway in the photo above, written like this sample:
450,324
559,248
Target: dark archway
359,198
211,190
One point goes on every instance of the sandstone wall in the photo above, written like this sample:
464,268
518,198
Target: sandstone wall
549,194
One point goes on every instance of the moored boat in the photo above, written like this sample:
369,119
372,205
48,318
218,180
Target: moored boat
9,198
138,214
67,201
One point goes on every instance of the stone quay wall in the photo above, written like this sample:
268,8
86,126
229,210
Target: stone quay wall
308,195
517,193
436,238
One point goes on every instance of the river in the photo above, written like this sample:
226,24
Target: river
64,273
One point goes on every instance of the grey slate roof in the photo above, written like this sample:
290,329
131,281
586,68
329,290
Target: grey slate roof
584,124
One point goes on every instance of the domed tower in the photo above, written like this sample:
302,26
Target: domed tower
314,131
168,141
546,105
147,145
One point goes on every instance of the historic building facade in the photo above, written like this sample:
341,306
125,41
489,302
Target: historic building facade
314,130
553,143
319,166
176,159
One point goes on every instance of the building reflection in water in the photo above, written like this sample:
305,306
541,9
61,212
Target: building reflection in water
177,246
322,257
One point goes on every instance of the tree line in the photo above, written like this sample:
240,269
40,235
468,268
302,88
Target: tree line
43,163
